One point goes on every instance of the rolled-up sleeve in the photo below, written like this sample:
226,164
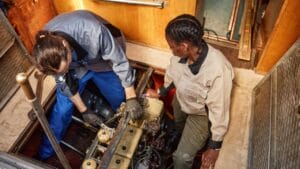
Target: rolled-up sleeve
171,72
62,86
114,53
218,103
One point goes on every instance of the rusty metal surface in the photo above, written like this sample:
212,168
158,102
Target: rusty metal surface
275,135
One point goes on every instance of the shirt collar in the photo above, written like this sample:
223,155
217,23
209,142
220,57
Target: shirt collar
195,67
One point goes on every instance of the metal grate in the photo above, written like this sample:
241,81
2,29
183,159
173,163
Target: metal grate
12,60
11,63
261,128
275,136
287,129
7,40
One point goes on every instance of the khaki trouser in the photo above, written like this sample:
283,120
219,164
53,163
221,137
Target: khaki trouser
194,130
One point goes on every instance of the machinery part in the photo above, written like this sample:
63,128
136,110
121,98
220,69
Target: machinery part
148,158
118,149
91,151
22,79
89,164
152,126
153,109
104,136
98,104
119,162
129,141
117,115
101,149
107,157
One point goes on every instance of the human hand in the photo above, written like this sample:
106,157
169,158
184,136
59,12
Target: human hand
152,93
91,118
134,108
209,158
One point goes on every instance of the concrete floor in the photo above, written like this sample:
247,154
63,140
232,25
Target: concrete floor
234,152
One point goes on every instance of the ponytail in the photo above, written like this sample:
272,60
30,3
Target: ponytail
48,52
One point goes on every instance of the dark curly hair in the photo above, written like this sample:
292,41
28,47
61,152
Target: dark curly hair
185,27
48,52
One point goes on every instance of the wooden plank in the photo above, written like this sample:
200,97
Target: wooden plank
156,58
143,24
285,32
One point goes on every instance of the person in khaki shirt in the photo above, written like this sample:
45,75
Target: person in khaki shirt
203,78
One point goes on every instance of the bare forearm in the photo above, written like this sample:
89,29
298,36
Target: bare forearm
79,104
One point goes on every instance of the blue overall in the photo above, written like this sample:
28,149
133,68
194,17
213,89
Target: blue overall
110,87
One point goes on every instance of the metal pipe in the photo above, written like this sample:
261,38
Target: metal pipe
22,79
159,4
87,125
40,84
72,148
142,84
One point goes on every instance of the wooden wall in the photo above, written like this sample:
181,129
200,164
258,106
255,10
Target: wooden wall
141,24
28,17
285,32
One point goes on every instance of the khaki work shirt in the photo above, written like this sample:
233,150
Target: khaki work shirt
211,86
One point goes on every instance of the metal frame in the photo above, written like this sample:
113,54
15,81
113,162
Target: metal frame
17,40
154,3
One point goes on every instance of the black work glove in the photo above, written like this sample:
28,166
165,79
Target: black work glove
90,117
134,108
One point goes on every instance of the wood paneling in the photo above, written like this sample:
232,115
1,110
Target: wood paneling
27,17
69,5
141,24
271,15
285,32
